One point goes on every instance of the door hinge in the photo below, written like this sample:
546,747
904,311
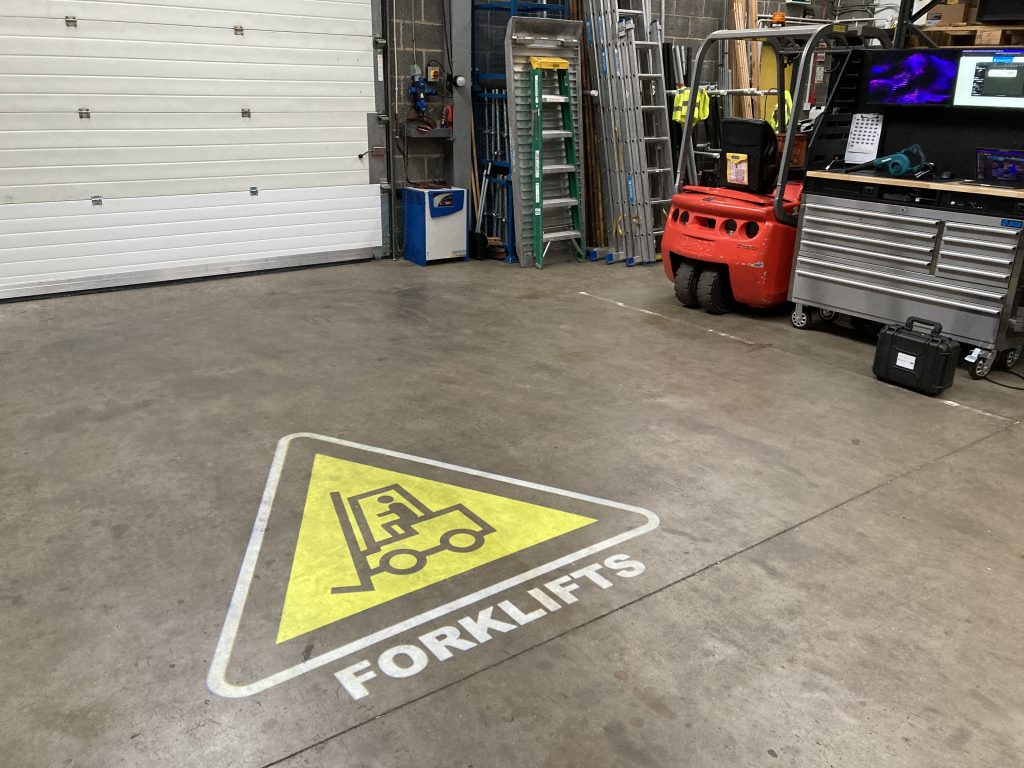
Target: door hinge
97,200
70,21
239,30
84,114
246,112
254,191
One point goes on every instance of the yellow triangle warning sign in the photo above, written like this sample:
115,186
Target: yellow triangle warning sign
354,544
369,535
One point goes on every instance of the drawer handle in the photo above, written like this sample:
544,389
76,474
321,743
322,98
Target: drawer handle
956,225
981,244
857,239
902,279
1003,276
897,292
868,227
976,257
871,214
862,252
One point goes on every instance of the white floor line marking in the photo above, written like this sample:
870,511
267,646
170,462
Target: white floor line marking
724,335
954,404
217,681
749,343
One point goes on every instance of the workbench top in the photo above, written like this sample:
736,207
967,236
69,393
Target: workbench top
953,185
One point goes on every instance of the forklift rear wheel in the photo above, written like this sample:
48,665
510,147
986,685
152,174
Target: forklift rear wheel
686,285
713,292
462,540
828,315
802,317
403,566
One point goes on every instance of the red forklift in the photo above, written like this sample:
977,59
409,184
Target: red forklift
731,231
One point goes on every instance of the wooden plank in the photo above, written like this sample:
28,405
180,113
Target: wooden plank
739,63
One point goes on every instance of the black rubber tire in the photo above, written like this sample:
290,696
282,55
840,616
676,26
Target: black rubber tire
1008,359
686,285
828,315
713,292
979,369
804,320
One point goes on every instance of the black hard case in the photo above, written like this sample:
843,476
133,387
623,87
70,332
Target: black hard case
924,362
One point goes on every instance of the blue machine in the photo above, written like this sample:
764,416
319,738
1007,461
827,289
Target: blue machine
436,224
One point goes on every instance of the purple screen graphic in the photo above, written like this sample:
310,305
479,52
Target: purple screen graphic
913,77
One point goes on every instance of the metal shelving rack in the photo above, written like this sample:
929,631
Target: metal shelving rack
490,110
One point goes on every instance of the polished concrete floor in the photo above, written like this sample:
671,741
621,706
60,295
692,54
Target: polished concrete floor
835,581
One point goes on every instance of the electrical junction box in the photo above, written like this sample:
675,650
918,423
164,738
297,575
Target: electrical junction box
433,74
436,224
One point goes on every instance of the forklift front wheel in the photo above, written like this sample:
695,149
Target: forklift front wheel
408,561
462,540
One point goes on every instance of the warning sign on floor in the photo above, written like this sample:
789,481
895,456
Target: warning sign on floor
355,544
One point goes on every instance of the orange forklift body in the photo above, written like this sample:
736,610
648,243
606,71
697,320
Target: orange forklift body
738,231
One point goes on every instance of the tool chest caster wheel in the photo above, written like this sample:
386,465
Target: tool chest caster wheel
981,367
802,317
828,315
1009,358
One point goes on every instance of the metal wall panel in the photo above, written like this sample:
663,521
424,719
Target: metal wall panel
166,147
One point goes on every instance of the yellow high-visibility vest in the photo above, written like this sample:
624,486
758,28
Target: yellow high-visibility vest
701,110
773,121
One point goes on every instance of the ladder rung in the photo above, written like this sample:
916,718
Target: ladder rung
658,231
649,76
645,44
653,106
660,170
655,138
561,202
568,234
553,134
629,12
551,169
661,201
548,98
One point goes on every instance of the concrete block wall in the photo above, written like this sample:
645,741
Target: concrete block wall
419,37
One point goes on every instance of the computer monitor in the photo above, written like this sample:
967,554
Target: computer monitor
912,77
1001,166
991,78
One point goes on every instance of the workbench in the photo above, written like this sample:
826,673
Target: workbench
885,249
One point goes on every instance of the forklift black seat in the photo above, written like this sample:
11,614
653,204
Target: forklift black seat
755,141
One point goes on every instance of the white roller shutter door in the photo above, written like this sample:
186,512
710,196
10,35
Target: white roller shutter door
220,136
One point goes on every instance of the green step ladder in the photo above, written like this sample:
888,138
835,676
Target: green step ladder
561,167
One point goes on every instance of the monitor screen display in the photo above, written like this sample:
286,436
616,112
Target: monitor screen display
1001,166
913,78
991,79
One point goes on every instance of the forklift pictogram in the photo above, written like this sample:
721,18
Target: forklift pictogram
388,530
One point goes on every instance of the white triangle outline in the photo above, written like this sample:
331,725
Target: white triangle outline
216,679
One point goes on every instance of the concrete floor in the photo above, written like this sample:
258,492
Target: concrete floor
835,581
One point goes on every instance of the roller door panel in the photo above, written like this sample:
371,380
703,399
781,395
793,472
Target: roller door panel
190,16
164,176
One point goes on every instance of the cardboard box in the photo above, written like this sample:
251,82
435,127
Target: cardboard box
952,14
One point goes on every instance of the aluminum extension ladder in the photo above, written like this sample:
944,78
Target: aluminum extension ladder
633,125
564,163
